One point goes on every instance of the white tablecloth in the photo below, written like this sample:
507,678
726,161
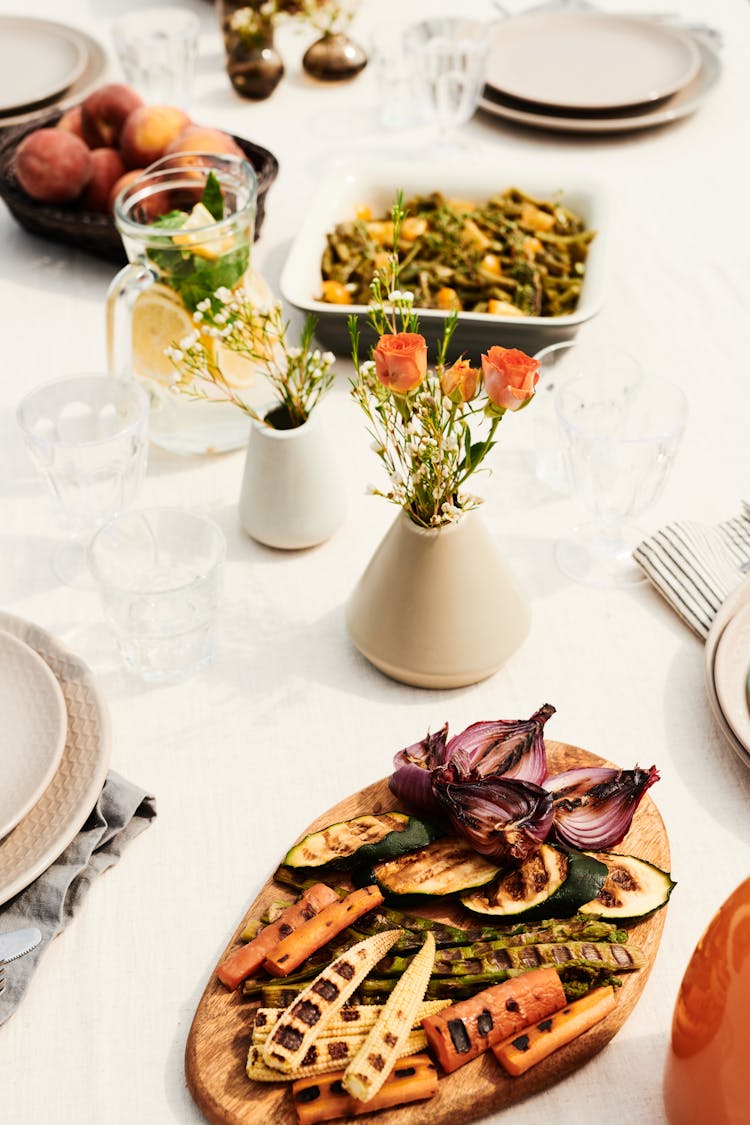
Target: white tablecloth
290,718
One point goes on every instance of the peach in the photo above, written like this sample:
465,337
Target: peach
121,183
104,112
71,120
147,132
52,165
200,138
106,168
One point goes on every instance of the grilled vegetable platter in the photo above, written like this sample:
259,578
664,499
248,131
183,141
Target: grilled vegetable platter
418,952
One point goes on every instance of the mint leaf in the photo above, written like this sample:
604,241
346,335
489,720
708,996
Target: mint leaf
171,220
212,199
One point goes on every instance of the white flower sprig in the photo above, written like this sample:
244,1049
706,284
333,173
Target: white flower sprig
299,374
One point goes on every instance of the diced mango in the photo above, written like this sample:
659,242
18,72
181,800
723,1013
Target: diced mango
535,218
336,293
448,299
502,308
473,236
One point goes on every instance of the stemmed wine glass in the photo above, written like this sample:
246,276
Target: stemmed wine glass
620,428
449,57
88,436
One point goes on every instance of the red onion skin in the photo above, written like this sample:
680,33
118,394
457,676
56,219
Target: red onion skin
411,780
503,748
594,806
503,819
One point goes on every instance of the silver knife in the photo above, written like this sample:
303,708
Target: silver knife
14,943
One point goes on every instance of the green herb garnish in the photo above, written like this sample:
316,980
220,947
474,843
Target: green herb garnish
212,198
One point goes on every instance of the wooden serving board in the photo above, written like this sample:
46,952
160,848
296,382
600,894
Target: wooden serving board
219,1038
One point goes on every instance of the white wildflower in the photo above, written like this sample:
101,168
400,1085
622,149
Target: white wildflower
294,353
197,316
174,354
223,294
189,341
204,305
407,296
328,358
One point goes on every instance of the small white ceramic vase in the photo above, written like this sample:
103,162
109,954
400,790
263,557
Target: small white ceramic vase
438,608
292,494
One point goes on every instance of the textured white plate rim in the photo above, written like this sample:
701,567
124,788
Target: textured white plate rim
56,32
731,672
46,847
736,600
375,182
95,68
538,32
31,781
687,101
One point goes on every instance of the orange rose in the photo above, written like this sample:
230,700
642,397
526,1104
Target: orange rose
510,377
460,381
401,361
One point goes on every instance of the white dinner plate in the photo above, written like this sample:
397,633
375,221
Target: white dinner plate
32,733
38,61
584,60
731,668
47,829
92,75
736,601
682,104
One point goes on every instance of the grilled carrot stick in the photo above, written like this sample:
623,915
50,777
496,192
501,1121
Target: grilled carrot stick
291,951
520,1052
248,958
468,1028
324,1099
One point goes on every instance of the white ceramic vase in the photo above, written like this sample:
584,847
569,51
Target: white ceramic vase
438,608
292,494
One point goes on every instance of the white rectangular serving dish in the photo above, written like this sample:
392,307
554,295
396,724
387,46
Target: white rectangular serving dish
375,184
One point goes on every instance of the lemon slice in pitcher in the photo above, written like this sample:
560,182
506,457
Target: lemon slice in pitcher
239,371
159,320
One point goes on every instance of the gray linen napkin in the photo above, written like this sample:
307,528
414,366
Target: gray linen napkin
696,567
121,813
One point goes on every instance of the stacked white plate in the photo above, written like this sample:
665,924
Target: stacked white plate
44,64
588,71
727,669
54,750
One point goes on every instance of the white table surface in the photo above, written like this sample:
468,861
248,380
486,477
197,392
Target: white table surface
290,718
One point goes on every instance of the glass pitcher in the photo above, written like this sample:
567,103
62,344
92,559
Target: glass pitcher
174,264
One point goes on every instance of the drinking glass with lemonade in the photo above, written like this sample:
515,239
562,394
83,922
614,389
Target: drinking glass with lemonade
187,224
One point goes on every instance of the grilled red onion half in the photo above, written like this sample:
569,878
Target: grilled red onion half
512,748
503,819
503,748
411,780
594,806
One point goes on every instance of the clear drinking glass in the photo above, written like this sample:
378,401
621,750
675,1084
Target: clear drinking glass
621,428
159,573
157,49
394,79
151,302
88,436
449,58
558,363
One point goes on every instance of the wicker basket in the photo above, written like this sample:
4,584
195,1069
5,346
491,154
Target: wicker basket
92,230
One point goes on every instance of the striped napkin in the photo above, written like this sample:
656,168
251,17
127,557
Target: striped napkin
696,567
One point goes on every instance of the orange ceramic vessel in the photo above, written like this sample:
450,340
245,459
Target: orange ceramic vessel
707,1077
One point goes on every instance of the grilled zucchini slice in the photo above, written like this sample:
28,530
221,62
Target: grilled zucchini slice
445,867
362,840
552,883
633,888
